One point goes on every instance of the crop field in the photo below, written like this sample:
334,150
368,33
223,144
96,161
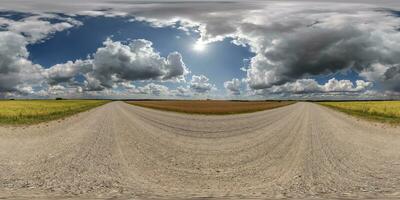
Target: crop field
384,111
211,107
35,111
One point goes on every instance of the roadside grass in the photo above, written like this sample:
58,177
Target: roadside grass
17,112
381,111
211,107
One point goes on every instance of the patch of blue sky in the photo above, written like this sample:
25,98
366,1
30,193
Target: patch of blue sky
351,75
342,75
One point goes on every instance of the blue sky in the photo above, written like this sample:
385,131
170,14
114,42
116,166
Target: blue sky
259,50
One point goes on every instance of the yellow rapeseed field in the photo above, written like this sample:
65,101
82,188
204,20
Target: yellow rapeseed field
388,111
35,111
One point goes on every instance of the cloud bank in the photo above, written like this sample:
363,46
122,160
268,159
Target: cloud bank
293,43
117,64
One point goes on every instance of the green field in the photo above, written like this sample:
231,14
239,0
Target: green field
16,112
383,111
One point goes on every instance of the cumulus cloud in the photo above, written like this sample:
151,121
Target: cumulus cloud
66,72
61,91
135,61
112,64
325,48
182,91
17,73
387,76
150,89
154,89
117,64
304,86
200,84
233,86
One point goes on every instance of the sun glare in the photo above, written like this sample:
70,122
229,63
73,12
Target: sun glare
199,46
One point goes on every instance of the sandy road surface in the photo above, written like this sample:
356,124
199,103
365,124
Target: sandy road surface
120,150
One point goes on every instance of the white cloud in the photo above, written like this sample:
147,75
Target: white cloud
135,61
112,64
200,84
182,91
17,73
304,86
36,28
154,90
66,72
233,86
149,90
97,13
116,64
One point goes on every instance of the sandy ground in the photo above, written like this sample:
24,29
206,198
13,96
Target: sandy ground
120,151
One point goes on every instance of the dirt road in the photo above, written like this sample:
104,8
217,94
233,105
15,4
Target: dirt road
119,150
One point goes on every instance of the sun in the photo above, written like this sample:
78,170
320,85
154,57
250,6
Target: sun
199,46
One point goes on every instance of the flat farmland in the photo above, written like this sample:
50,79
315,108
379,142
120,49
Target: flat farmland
213,107
382,111
35,111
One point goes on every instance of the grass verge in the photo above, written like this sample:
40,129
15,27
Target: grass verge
17,112
211,107
380,111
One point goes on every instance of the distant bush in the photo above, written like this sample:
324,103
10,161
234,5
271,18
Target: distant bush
59,98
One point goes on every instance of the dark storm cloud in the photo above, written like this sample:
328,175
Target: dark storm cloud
320,51
387,76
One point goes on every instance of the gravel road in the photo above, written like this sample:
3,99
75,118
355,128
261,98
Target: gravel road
120,151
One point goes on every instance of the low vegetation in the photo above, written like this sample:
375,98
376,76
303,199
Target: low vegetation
211,106
35,111
383,111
